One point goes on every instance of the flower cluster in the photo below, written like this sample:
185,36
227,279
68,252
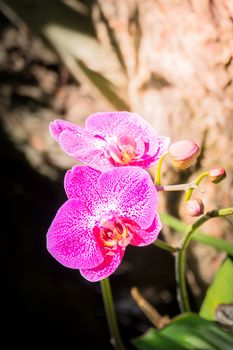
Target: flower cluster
112,202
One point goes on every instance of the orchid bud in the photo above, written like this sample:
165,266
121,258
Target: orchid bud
194,207
216,175
183,153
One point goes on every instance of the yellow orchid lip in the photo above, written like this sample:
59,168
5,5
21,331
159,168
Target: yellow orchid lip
114,233
122,150
126,157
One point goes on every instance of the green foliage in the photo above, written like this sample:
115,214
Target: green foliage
187,332
197,236
220,291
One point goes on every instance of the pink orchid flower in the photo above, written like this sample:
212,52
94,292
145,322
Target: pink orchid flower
111,139
104,213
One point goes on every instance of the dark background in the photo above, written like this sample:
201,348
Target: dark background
45,303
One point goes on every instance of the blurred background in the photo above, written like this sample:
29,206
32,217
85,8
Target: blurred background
170,61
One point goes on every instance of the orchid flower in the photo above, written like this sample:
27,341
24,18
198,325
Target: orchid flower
111,139
104,213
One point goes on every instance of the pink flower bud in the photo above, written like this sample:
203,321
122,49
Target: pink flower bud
183,153
216,175
194,207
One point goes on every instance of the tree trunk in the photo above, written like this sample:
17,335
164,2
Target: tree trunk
168,60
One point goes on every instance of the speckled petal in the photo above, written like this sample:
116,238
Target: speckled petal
57,126
106,268
70,238
146,161
80,144
123,123
163,146
86,149
129,192
80,183
145,237
95,158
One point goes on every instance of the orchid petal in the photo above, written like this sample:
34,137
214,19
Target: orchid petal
86,149
70,238
123,123
80,183
80,144
95,158
57,126
141,237
106,268
129,192
163,146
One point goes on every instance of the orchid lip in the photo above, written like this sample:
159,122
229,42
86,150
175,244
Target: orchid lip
113,233
121,149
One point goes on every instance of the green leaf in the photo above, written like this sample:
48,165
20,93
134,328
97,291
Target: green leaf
186,332
220,291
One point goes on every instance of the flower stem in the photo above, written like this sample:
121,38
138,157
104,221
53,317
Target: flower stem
180,187
157,180
196,182
116,340
181,254
163,245
180,227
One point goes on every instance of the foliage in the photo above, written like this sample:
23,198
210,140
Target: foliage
220,291
186,332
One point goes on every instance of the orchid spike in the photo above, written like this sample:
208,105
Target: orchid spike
104,213
111,139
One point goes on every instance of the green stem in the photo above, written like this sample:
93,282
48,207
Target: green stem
157,180
181,254
163,245
180,227
116,340
196,182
